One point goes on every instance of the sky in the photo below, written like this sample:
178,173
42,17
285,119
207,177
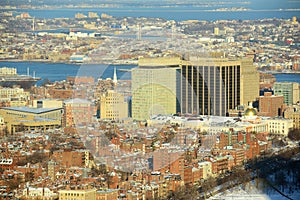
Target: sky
252,4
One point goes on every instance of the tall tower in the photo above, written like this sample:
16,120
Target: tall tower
115,79
211,86
33,24
154,88
52,166
139,32
173,31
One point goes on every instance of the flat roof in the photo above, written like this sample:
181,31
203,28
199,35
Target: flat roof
39,119
77,100
31,110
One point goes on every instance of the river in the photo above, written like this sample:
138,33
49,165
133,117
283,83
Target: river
257,9
59,71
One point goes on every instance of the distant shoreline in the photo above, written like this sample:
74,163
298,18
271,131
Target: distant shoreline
177,12
43,61
67,63
271,72
91,63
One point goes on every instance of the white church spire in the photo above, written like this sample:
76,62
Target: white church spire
115,79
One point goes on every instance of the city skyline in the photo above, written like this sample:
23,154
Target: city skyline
149,100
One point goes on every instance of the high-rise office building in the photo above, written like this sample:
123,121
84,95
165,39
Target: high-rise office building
211,86
249,82
154,87
289,90
198,85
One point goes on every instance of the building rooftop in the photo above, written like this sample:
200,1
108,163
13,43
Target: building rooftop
107,191
39,119
31,110
77,100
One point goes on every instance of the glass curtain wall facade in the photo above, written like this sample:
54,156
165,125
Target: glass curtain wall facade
210,88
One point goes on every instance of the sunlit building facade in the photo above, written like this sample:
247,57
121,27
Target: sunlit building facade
195,85
154,87
113,105
212,86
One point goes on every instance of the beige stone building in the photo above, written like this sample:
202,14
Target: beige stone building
28,119
249,82
89,194
47,103
207,169
113,105
280,126
38,193
15,96
293,114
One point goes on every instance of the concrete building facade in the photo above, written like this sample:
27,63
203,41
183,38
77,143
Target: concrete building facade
197,85
25,118
47,103
89,194
113,106
293,114
289,90
280,126
39,193
154,88
14,96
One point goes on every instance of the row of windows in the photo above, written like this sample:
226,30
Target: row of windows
203,90
71,195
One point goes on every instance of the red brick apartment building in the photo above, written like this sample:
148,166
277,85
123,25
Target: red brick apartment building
269,104
78,112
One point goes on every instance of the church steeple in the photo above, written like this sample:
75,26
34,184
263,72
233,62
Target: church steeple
115,79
